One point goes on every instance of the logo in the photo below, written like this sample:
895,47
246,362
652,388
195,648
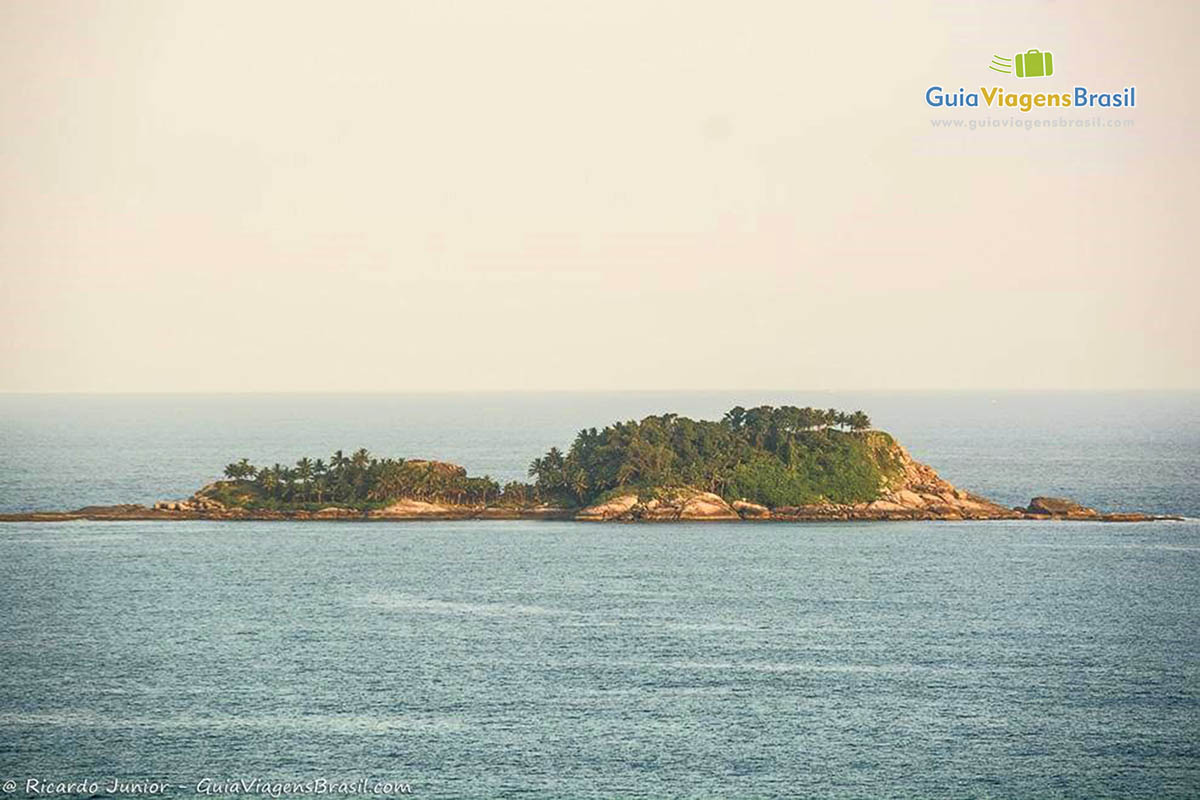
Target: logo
1030,64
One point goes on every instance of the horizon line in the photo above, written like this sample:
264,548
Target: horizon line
760,390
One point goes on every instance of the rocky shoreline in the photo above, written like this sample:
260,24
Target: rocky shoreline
699,507
919,493
615,511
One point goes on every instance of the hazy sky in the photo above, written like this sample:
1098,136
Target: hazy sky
211,196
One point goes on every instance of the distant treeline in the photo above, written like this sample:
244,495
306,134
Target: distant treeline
360,479
769,455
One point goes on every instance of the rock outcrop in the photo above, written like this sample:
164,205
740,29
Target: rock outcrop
197,503
336,512
700,505
917,492
1058,507
417,509
615,508
748,510
668,506
913,492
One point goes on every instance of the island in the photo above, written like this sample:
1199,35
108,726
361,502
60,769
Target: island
760,464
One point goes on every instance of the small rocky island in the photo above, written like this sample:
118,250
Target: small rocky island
760,464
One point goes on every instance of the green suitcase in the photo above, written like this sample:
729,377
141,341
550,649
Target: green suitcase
1034,64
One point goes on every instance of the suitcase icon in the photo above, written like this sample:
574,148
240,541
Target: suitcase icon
1035,64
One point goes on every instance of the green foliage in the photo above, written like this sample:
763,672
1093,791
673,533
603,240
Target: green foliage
768,481
360,481
774,456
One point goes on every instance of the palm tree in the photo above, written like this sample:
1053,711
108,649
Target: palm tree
548,470
427,484
269,481
239,471
338,463
287,480
304,473
578,484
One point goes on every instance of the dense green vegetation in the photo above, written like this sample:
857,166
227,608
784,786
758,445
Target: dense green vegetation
768,455
773,456
361,481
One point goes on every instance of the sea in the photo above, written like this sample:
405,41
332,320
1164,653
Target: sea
489,659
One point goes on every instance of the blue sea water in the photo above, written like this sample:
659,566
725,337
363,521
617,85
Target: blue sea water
498,659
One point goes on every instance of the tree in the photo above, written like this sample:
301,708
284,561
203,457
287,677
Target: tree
240,470
517,494
338,463
784,454
268,481
304,474
577,483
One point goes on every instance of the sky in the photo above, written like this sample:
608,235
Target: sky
429,196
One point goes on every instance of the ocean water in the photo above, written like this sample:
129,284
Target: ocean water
541,659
